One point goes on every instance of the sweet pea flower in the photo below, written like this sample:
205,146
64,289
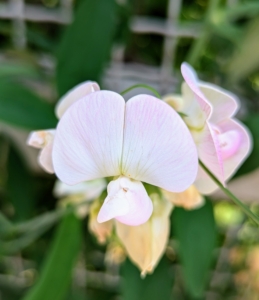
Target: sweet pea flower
43,139
101,136
145,244
223,143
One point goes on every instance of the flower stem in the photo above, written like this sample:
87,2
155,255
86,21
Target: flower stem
245,208
145,86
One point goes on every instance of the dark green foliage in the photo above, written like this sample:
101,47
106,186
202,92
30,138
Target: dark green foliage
22,108
86,44
56,274
155,286
195,232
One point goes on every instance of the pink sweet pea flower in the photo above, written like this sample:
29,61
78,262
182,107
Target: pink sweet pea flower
223,143
101,136
43,139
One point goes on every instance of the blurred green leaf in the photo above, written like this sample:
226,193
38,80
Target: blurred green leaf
20,186
155,286
195,231
240,10
56,274
252,162
14,69
22,108
246,58
86,44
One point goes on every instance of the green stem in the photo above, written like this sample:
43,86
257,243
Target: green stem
245,209
145,86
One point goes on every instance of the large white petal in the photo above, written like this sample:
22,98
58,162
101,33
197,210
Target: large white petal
89,138
74,95
158,147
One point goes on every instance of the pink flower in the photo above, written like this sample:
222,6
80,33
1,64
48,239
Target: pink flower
101,136
223,143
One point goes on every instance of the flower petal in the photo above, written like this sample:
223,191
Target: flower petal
102,231
43,139
209,152
189,199
191,79
89,189
88,140
75,94
146,243
236,146
127,201
224,103
158,147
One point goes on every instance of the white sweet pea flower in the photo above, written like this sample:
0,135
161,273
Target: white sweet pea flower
43,139
101,136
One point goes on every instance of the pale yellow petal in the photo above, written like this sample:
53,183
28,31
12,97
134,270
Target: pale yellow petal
146,243
189,199
102,231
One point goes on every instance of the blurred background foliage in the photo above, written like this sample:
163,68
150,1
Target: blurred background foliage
46,252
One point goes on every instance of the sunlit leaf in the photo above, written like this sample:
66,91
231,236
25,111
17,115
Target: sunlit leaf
90,36
55,277
195,232
22,108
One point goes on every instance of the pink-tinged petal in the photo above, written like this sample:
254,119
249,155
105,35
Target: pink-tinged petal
75,94
43,140
158,147
204,184
209,152
127,202
191,79
235,144
224,103
236,147
89,137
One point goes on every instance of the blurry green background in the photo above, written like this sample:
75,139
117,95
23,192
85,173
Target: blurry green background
48,254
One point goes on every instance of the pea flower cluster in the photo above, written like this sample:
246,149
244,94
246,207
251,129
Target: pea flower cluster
101,140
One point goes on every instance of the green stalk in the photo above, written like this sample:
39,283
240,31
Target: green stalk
245,208
145,86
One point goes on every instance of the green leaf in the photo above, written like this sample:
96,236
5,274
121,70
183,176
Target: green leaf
252,162
20,186
86,44
55,278
246,58
21,107
155,286
195,232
